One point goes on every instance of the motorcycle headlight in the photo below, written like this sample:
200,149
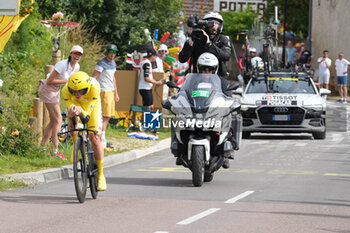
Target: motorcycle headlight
316,107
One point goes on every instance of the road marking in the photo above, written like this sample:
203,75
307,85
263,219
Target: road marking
239,197
251,171
300,144
198,216
164,169
292,172
161,232
336,174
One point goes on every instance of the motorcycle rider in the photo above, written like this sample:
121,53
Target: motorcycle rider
211,41
209,64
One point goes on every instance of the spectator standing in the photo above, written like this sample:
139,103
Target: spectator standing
324,74
146,79
299,51
291,54
341,67
104,73
49,93
305,57
162,52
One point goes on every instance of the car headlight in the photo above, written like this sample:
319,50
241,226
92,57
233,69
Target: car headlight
316,107
245,107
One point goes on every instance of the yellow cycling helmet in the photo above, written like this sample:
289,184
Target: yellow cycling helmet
79,83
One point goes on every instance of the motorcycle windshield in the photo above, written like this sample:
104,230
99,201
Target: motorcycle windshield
200,89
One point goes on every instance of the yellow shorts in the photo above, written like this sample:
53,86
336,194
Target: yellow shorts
108,103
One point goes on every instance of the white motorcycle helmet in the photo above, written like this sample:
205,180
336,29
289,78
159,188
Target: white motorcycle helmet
217,17
207,62
252,50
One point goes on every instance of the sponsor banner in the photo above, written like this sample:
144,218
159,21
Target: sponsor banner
239,5
279,100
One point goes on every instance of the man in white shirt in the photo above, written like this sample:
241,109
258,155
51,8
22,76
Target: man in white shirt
324,74
341,67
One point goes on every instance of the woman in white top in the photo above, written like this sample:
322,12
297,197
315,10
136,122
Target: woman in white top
49,93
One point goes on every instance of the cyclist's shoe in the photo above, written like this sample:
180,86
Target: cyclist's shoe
60,155
72,156
101,183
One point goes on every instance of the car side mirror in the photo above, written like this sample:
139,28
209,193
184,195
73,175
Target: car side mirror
324,91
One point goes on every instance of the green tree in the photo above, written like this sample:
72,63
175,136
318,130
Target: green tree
297,14
119,21
237,21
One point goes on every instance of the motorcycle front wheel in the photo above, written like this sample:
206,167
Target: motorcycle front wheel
197,165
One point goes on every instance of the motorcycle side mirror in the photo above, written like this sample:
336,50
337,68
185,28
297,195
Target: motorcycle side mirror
233,86
238,91
166,104
172,85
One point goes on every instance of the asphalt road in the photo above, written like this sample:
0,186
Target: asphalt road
277,183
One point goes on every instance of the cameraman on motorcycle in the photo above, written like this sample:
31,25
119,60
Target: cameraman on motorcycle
206,37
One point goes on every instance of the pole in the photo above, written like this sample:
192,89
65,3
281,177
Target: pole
309,45
284,31
276,20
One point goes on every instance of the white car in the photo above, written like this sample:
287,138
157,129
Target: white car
284,102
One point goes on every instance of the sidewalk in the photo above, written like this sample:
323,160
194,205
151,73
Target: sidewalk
56,174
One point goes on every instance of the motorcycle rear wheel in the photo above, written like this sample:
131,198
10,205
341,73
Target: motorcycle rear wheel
197,165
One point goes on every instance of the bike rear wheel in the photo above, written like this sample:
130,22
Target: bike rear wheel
80,169
92,171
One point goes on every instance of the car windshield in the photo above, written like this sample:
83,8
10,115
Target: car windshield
281,85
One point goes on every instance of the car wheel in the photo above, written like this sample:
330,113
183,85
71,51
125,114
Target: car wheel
319,135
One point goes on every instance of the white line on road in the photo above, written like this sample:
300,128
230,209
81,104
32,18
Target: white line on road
240,196
300,144
161,232
198,216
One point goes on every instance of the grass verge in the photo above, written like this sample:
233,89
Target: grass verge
10,164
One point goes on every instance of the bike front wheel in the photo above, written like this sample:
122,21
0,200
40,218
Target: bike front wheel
80,169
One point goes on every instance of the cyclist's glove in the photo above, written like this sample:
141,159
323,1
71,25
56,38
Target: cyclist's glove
85,119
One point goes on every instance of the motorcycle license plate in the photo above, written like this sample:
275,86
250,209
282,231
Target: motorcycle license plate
281,117
200,93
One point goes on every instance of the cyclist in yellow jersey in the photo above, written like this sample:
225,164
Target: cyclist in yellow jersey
82,96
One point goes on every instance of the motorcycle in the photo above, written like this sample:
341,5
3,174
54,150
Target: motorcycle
206,126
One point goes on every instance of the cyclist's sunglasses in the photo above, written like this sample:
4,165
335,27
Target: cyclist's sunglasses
112,51
79,92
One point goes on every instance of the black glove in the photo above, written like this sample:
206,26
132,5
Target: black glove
85,119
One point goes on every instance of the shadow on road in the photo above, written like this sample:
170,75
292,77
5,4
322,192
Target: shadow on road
39,199
164,182
279,137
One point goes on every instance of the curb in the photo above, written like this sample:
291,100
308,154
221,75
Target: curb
56,174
